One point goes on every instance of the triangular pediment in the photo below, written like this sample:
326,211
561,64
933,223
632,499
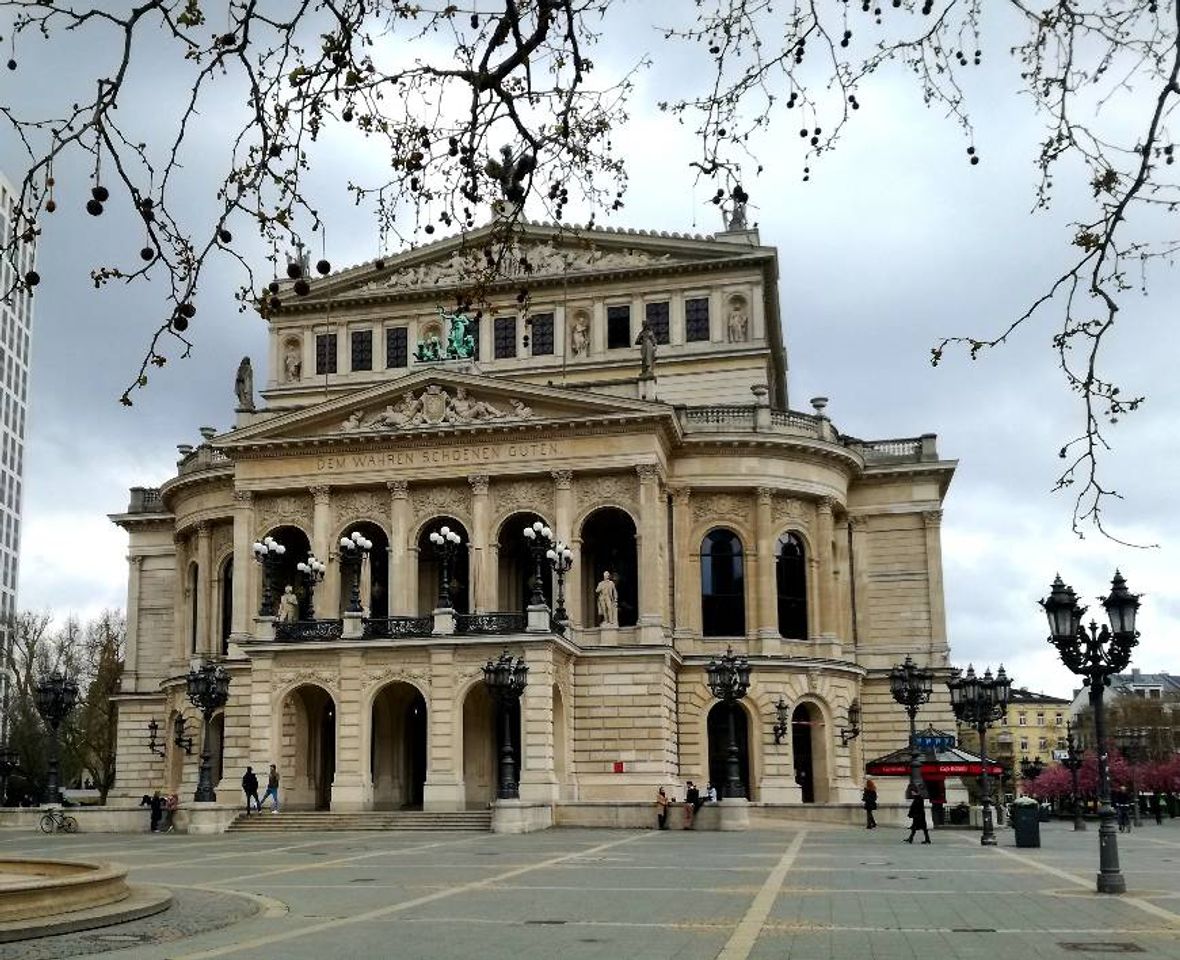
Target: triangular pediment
437,400
538,252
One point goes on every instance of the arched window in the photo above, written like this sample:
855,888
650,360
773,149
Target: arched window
723,585
227,603
192,612
790,577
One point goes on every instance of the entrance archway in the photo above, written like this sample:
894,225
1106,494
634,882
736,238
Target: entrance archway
560,746
430,568
516,567
481,739
809,747
609,543
397,749
217,746
374,571
718,724
308,735
298,547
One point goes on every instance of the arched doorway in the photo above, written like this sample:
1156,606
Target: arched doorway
175,754
482,724
809,747
516,566
217,747
397,749
227,603
374,571
430,568
298,547
308,736
609,544
560,746
719,726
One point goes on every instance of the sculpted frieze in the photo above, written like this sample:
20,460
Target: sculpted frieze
271,512
359,505
531,495
449,500
223,539
790,509
729,507
435,406
609,488
293,678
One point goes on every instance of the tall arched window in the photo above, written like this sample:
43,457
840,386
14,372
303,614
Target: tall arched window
790,577
723,585
227,603
192,602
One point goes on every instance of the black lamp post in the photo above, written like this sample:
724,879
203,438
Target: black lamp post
268,552
208,689
539,538
911,686
313,571
506,679
1073,763
979,702
446,545
9,764
353,551
729,679
180,735
782,720
56,696
1095,655
155,746
1131,741
560,558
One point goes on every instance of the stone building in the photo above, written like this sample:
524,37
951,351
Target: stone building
636,403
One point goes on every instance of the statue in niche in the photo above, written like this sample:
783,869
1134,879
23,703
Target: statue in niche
580,336
292,362
608,601
244,385
738,324
646,341
288,605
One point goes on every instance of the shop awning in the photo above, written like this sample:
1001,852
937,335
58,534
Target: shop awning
940,758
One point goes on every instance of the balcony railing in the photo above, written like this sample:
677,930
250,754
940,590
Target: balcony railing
489,623
384,628
202,458
145,500
305,631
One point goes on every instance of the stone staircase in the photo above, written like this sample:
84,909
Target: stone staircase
323,820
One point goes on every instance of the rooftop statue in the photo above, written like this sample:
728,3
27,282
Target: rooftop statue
460,343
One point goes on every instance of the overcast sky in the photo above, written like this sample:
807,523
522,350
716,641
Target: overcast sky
894,242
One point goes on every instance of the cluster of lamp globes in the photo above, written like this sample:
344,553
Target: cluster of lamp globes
445,535
538,529
312,567
267,546
358,541
560,556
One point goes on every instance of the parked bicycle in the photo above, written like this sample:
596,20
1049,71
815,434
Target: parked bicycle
55,821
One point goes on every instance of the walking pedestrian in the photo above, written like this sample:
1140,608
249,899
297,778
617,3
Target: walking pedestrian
917,815
662,809
272,790
869,800
250,788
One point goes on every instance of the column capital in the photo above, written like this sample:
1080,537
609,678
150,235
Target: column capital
858,521
243,498
320,494
932,518
562,479
681,496
765,495
398,489
648,472
479,484
824,505
135,559
204,529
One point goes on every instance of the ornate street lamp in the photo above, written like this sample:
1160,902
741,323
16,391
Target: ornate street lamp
207,686
56,696
560,558
1095,655
353,551
539,538
506,679
1073,763
9,764
729,679
268,552
1132,742
979,702
782,722
446,545
313,571
155,746
180,735
910,686
852,731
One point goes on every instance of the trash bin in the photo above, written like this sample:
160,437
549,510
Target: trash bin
1026,822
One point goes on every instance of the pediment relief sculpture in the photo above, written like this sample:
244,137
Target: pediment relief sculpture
435,406
521,260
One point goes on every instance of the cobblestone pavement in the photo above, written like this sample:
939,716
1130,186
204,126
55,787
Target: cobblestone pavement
807,892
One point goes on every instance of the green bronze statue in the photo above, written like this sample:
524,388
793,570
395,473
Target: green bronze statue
460,344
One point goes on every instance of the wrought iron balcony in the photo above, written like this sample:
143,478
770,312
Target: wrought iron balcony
382,628
489,623
305,631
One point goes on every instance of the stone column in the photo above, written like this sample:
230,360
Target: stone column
244,564
129,679
352,787
686,593
400,580
204,581
859,562
180,598
766,589
932,521
538,775
326,599
563,522
444,789
652,527
479,560
827,580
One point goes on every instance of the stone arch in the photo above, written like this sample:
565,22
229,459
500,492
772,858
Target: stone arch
811,736
225,600
724,586
715,719
397,748
515,569
793,584
561,745
374,582
478,721
608,538
430,567
305,728
217,746
295,539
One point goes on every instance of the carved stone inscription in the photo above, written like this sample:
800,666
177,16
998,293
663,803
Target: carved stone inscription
436,456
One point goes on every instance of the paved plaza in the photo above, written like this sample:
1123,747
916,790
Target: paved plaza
806,891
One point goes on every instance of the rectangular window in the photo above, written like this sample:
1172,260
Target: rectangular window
542,336
1024,746
397,347
325,353
504,338
473,329
657,319
1022,720
1043,744
1040,719
362,349
618,327
696,319
1057,720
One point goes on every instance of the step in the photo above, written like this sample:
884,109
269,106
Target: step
410,820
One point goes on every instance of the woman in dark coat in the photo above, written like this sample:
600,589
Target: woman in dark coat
917,816
869,800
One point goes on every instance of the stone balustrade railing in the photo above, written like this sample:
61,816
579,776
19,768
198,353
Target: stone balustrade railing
145,500
202,458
